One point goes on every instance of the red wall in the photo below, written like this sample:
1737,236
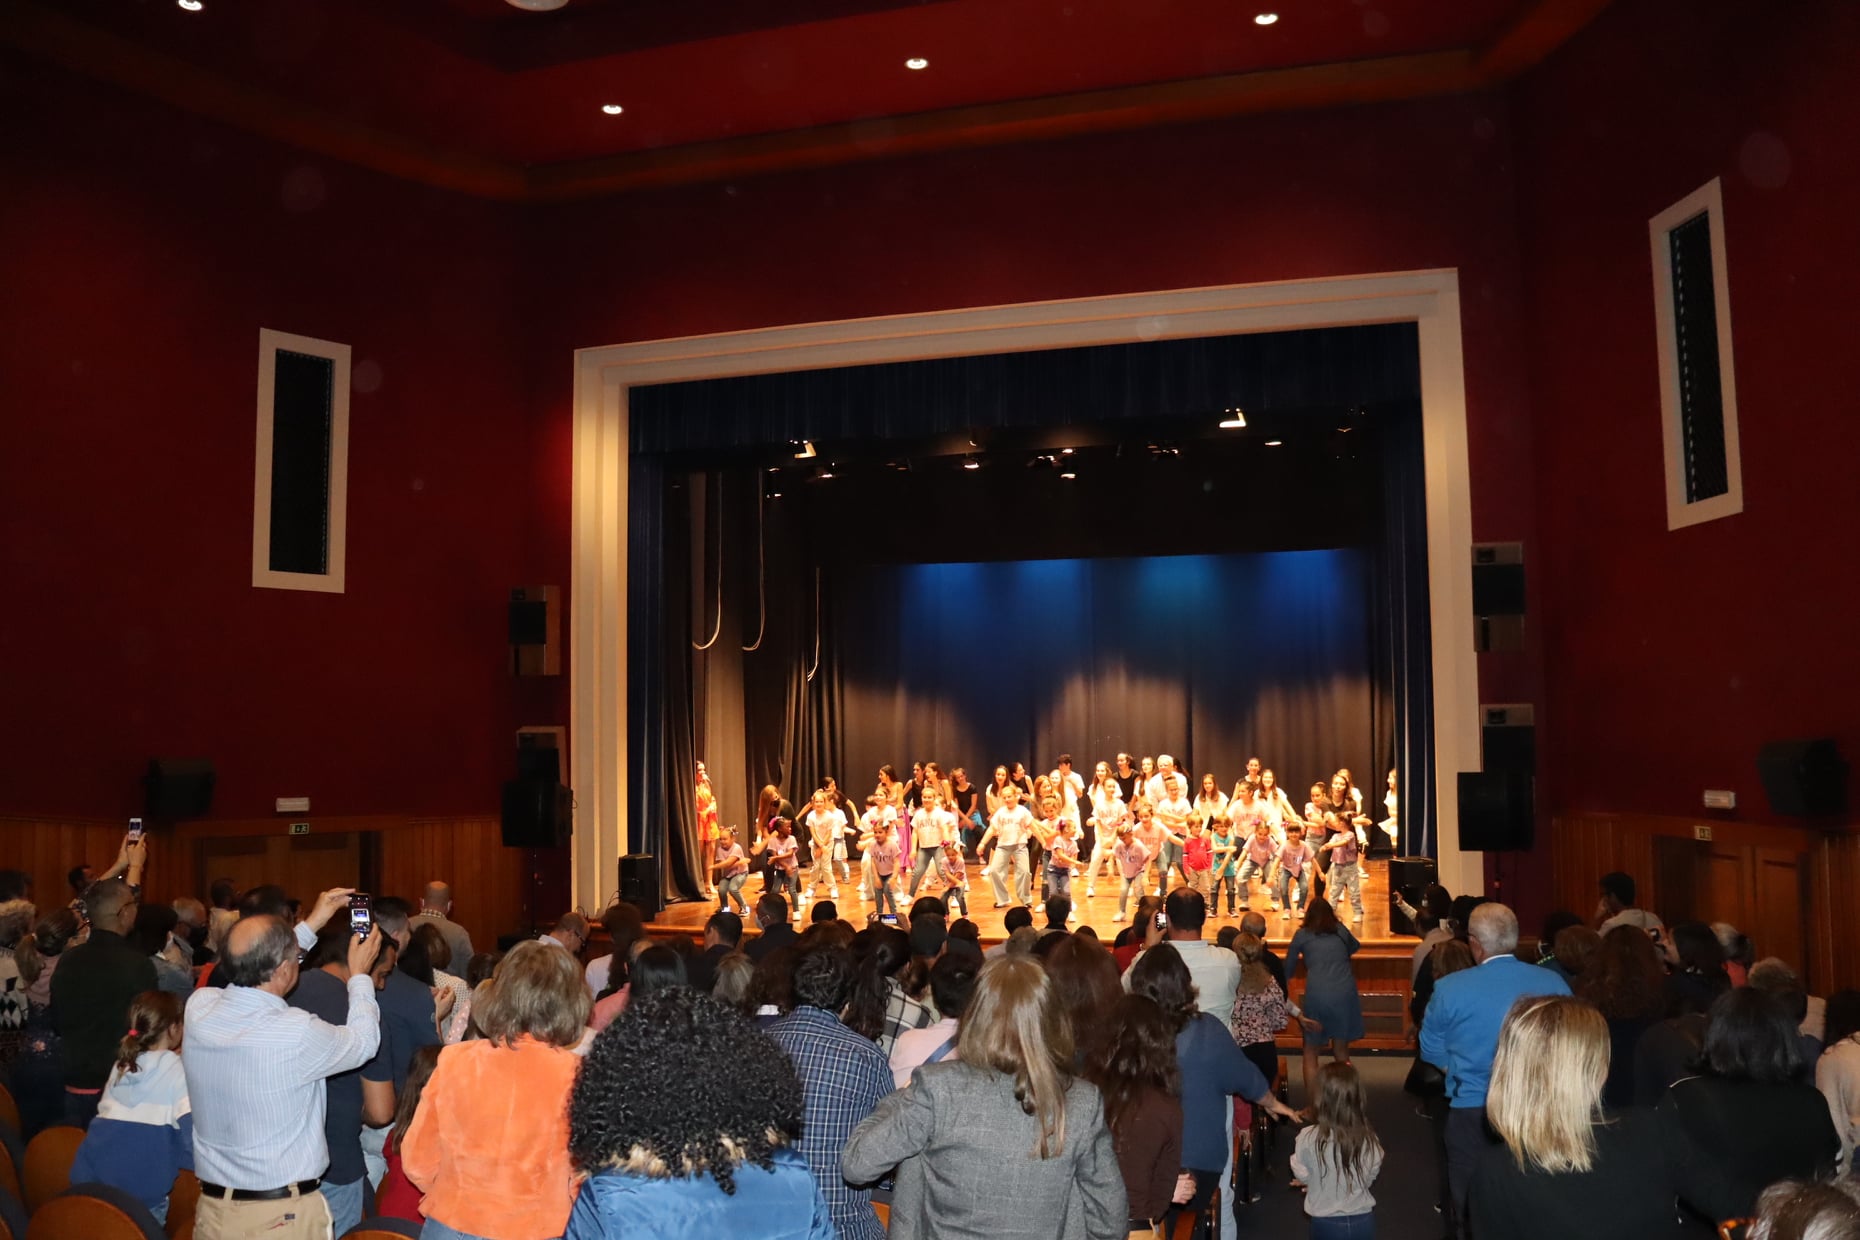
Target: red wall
143,251
1674,655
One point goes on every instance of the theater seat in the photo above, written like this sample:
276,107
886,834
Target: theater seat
12,1163
48,1164
12,1218
9,1107
183,1201
93,1212
383,1229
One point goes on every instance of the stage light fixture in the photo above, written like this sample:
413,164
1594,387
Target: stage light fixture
1234,421
917,62
612,109
774,494
807,451
1273,443
1265,19
1065,452
192,6
536,6
823,472
1070,475
969,462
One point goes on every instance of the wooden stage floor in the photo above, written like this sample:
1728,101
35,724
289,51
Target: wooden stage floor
1097,911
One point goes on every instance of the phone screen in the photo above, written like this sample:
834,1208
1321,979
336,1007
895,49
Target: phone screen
889,919
360,918
1162,921
135,829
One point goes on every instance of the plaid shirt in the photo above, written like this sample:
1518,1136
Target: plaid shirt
843,1077
903,1014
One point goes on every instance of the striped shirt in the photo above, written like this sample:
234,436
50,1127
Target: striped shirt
255,1070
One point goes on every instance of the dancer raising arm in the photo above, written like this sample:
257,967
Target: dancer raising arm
1109,814
1009,829
1174,812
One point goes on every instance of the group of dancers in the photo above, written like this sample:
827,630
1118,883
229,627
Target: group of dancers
1133,821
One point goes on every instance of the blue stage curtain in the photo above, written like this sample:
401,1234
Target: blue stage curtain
1326,368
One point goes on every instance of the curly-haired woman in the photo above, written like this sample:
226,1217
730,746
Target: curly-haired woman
685,1118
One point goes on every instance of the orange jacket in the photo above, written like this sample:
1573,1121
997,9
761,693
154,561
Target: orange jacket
489,1143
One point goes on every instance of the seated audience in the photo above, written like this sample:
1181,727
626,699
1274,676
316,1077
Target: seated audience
880,1007
489,1144
686,1120
723,934
1564,1168
1005,1141
1698,975
772,920
625,925
1133,1065
734,972
1837,1072
143,1136
952,982
843,1077
1747,1120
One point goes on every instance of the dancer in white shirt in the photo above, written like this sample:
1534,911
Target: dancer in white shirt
1108,813
826,829
1009,829
878,817
932,828
1211,804
1172,814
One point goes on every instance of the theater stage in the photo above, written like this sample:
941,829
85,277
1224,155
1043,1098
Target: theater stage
1382,966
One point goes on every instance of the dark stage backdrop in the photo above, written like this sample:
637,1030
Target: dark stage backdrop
1211,658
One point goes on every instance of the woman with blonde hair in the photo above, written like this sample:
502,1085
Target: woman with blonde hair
1563,1169
489,1144
1013,1144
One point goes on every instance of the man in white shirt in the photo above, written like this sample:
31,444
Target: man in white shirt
255,1070
1071,787
1617,909
1156,786
1214,969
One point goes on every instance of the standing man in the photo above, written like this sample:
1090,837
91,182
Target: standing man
723,934
437,905
843,1078
1460,1034
255,1070
1214,969
410,1019
93,987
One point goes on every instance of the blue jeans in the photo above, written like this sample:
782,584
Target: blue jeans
345,1204
1344,1227
729,890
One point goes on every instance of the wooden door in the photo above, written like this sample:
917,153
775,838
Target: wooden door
304,865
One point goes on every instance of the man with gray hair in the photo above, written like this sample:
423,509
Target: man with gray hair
1460,1034
255,1070
436,907
91,992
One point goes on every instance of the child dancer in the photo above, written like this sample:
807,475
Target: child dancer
1148,832
1174,812
884,854
956,874
729,870
1010,828
1197,858
825,823
1259,851
1062,858
143,1135
1346,872
784,870
931,828
1337,1159
1108,815
1132,859
879,814
1225,846
1292,868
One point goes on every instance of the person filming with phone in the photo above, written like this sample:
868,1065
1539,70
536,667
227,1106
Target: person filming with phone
255,1070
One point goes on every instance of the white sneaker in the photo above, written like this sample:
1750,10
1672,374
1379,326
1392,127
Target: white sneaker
1090,892
1117,917
864,894
833,894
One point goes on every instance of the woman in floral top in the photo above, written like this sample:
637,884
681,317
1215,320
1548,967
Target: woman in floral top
1261,1010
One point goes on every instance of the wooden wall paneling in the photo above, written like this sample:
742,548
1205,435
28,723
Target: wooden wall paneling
1778,912
1834,914
487,879
48,848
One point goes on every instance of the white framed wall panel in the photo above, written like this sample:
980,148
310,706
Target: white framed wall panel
332,580
597,652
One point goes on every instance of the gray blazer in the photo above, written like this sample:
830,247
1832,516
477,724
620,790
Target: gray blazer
963,1149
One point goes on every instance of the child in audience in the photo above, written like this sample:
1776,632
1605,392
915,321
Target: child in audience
1337,1158
1291,871
398,1198
956,874
1062,853
1259,852
1197,857
143,1135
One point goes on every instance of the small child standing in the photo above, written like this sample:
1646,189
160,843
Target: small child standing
884,854
1062,857
1345,880
1197,858
956,874
1259,851
1132,859
1292,869
1337,1158
143,1136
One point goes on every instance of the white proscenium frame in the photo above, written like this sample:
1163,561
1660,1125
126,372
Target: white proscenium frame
330,581
598,741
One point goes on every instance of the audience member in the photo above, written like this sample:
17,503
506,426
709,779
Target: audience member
436,908
489,1144
1807,1210
397,1197
255,1078
1747,1120
734,972
570,933
153,935
879,1008
1214,971
190,934
1773,974
354,1098
1433,921
772,919
1698,975
683,1112
1212,1067
1737,951
823,910
1338,1157
143,1136
38,952
1333,1007
1142,930
1554,924
1020,917
771,987
723,934
657,967
1005,1141
223,893
952,982
843,1077
1778,979
1255,925
1133,1065
410,1016
429,956
1428,1081
1616,908
1460,1035
1837,1072
1085,979
1261,1010
1625,983
1564,1169
625,925
1058,913
91,993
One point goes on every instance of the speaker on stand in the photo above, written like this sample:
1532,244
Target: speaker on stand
639,883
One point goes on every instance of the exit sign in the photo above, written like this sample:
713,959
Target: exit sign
300,828
1701,832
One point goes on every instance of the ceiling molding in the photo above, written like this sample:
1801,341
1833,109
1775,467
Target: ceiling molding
99,54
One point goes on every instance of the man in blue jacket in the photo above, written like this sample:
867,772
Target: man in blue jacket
1460,1034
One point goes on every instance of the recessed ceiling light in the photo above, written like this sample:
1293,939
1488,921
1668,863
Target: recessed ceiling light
612,109
1273,443
192,6
1265,19
917,62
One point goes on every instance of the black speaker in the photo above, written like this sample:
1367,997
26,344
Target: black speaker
639,883
1508,738
537,813
178,788
1804,779
1497,813
1409,877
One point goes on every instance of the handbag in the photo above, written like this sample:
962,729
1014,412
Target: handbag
1425,1080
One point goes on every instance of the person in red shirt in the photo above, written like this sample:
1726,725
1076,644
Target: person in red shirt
1197,857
